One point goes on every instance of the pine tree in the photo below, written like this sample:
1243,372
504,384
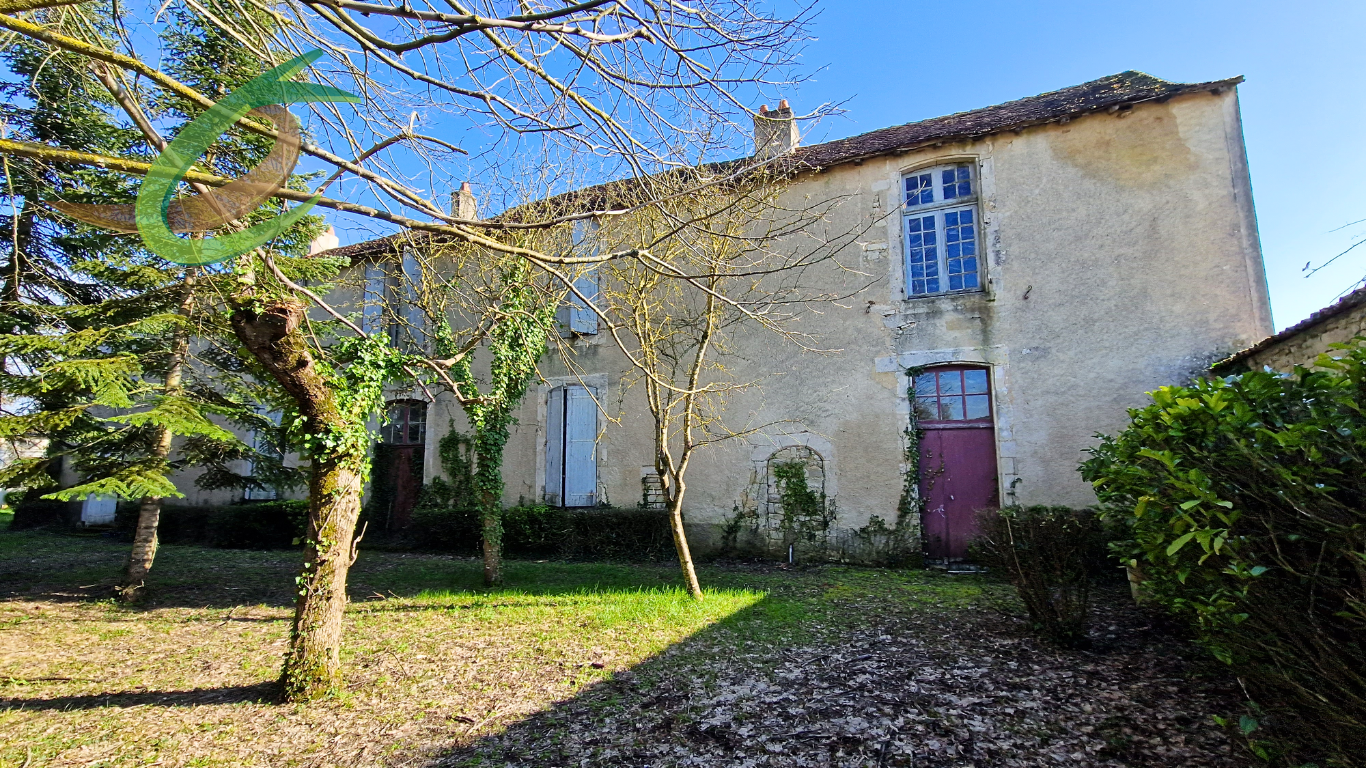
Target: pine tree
114,353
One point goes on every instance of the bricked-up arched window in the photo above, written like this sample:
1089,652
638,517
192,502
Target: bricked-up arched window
407,423
953,394
813,463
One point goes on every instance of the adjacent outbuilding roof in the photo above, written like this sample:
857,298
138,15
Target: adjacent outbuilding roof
1108,94
1351,301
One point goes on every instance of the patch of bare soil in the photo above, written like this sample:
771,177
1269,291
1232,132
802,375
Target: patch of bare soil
947,688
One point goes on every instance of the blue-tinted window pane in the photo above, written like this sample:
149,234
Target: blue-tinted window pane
962,182
919,189
951,409
924,385
922,256
950,382
960,249
950,187
978,407
975,381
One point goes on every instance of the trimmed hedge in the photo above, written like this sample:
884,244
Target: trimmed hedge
536,530
253,525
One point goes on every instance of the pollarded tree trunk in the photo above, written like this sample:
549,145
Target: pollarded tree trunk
149,511
312,665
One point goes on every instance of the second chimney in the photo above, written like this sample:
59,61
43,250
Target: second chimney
463,204
775,132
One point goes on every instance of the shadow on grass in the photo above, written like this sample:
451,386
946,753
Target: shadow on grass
58,567
260,693
587,728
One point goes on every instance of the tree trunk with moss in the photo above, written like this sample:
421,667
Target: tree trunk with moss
313,664
489,440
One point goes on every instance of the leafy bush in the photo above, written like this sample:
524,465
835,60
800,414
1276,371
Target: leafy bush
445,519
1245,503
1050,554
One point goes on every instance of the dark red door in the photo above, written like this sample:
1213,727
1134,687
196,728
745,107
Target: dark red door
957,457
399,465
407,484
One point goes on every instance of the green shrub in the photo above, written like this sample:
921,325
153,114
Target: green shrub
444,519
1244,500
1050,555
251,525
536,530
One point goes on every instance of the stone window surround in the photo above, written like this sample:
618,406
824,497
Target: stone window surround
764,446
996,358
890,192
599,384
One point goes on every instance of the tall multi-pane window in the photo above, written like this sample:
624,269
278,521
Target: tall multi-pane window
941,228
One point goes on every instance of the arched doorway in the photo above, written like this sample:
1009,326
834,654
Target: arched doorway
398,465
957,456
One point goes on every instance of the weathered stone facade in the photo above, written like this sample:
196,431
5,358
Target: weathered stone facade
1118,253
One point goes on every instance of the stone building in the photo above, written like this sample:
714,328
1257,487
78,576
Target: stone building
1303,342
1032,269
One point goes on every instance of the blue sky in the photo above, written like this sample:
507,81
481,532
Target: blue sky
1304,101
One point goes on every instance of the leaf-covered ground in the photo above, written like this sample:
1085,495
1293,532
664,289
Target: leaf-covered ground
579,664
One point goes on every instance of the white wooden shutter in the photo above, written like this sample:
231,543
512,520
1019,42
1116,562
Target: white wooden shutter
372,300
554,448
580,449
98,509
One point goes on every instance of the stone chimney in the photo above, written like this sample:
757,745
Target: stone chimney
324,242
775,133
463,204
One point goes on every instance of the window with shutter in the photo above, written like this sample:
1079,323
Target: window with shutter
571,463
372,299
577,317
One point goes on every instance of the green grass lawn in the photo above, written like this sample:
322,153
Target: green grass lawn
433,660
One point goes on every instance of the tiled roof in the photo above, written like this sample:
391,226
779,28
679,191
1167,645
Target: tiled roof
1106,94
1350,301
1112,93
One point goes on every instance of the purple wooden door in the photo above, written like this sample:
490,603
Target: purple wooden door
957,457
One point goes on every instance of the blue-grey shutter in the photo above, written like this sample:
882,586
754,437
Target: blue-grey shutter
580,449
577,317
554,448
582,318
413,315
99,509
372,300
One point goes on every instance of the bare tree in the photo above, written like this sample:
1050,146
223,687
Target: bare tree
627,89
749,251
